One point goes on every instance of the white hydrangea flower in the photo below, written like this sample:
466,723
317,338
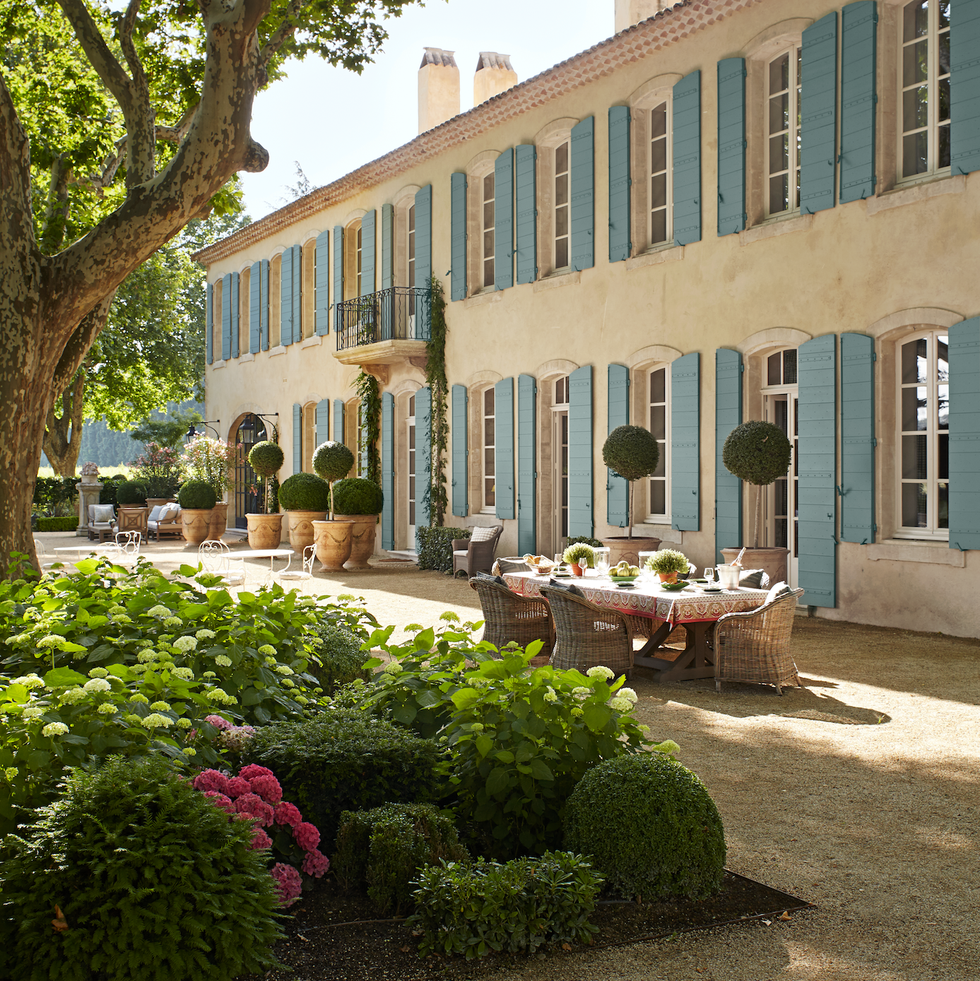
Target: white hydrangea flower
122,618
600,671
10,772
158,611
116,608
582,691
392,667
267,650
223,660
288,683
205,635
184,723
31,712
302,699
284,669
106,708
72,696
54,729
52,640
98,673
627,693
137,668
156,721
577,712
209,674
29,681
621,704
185,643
97,684
173,622
185,674
477,727
189,751
146,655
550,696
140,699
160,707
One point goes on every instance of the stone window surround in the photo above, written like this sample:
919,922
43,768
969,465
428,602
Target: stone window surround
478,167
476,385
546,141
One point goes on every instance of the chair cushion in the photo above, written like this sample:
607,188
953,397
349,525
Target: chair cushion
155,513
509,564
492,578
778,589
566,587
482,534
751,579
101,512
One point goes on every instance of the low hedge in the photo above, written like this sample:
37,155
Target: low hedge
435,547
67,523
54,494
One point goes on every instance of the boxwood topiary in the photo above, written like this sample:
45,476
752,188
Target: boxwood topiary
633,453
131,492
305,492
757,452
266,458
357,495
332,460
196,494
651,827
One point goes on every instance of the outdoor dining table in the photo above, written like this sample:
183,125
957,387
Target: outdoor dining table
267,553
691,608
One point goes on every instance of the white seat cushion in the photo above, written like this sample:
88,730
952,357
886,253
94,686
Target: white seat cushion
154,515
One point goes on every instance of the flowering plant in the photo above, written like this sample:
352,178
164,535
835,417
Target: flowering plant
213,461
160,470
256,795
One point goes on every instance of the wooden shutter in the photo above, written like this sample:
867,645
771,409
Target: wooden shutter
458,243
731,145
338,275
362,440
255,308
388,468
297,293
322,285
686,173
527,213
368,236
619,183
338,421
226,317
964,56
322,422
387,246
618,412
209,324
235,313
423,263
964,433
857,438
503,429
580,518
423,453
526,465
817,494
581,163
818,137
857,100
503,221
728,415
264,307
461,504
685,443
297,437
286,298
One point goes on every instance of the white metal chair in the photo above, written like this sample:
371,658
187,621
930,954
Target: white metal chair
215,557
306,572
125,550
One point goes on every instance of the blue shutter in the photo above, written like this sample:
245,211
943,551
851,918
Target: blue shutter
503,429
388,468
857,438
226,317
685,443
527,213
686,114
387,246
458,243
461,504
503,221
857,100
818,125
338,275
619,183
297,293
581,164
322,422
255,307
817,495
580,521
235,314
728,415
297,437
322,262
264,307
368,236
423,454
286,298
964,434
209,324
526,465
423,262
731,145
618,412
964,56
338,421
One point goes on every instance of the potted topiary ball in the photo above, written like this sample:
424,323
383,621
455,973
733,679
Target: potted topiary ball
360,500
306,498
667,563
759,453
632,453
265,527
196,499
580,557
334,539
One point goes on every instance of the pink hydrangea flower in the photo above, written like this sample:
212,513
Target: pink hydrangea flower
254,770
211,780
307,836
220,800
268,788
260,839
289,885
217,721
254,807
237,786
315,863
288,814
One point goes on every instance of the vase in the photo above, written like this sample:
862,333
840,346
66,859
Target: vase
264,530
195,522
218,523
333,543
363,534
301,528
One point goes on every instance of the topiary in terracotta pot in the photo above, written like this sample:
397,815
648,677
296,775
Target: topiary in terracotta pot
265,529
306,497
359,500
332,461
196,499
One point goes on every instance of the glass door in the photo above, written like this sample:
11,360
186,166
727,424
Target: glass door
780,507
559,481
248,489
411,473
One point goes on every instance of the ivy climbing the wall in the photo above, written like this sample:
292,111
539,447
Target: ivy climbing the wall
369,392
435,378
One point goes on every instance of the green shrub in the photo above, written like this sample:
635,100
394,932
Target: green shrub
197,495
594,542
357,495
337,657
304,492
631,451
345,761
131,492
109,485
435,547
266,458
650,826
519,906
67,523
151,880
757,452
580,553
332,460
380,851
55,496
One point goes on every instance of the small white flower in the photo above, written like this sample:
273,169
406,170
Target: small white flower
288,683
267,650
98,673
600,671
209,674
223,660
146,655
173,622
122,618
140,699
72,696
52,640
189,751
97,684
116,608
32,712
284,669
302,699
627,693
577,712
205,634
156,721
54,729
185,643
28,681
477,727
106,708
392,667
10,772
621,704
158,611
550,696
160,707
184,723
185,674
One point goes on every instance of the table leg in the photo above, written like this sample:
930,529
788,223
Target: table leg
695,661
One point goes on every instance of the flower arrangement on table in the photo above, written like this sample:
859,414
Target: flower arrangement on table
580,555
667,563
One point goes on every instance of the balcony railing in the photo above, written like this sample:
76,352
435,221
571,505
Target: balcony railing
400,313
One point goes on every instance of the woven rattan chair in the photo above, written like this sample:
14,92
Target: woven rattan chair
587,635
509,617
475,554
753,647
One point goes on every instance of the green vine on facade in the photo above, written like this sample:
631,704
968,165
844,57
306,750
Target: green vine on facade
435,378
369,393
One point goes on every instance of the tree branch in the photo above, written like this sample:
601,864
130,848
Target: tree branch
282,33
16,224
57,208
79,343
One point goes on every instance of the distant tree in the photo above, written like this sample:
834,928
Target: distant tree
301,188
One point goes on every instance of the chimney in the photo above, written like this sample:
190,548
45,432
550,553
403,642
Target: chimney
438,88
494,74
630,12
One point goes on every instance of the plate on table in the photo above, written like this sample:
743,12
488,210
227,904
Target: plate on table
711,589
674,587
623,580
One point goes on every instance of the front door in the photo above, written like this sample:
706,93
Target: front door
559,457
248,496
410,534
781,402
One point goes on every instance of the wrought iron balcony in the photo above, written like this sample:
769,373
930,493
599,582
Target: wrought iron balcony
400,313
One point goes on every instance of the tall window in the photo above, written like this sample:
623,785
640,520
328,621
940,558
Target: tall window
352,261
923,383
410,248
411,464
559,445
308,289
562,217
308,436
659,175
925,87
657,400
783,89
489,443
780,396
275,301
244,323
488,229
217,334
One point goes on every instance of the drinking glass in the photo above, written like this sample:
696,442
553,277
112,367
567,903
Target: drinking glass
709,575
602,561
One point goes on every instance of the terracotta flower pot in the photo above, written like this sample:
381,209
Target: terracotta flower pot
301,528
363,534
577,570
333,543
667,576
264,530
195,523
219,521
629,548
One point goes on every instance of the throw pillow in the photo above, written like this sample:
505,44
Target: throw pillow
751,579
503,565
103,512
154,515
482,534
777,590
566,587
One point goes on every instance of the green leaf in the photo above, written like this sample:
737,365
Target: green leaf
484,744
498,781
465,697
596,716
64,678
540,770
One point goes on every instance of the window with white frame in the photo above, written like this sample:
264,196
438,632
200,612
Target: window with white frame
217,299
923,432
659,230
308,437
489,221
352,260
658,421
308,288
489,445
783,78
410,247
562,205
924,73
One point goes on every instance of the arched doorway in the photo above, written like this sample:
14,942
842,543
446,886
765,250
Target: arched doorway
251,430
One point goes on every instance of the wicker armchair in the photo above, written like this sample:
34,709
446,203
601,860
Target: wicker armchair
753,647
510,617
588,635
475,554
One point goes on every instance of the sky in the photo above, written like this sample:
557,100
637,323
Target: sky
332,121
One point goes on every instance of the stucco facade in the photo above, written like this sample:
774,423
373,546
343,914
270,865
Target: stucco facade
621,239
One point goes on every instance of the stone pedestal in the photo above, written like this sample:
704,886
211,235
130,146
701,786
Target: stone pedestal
89,489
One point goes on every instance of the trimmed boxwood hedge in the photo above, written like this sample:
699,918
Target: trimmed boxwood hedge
68,523
435,547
